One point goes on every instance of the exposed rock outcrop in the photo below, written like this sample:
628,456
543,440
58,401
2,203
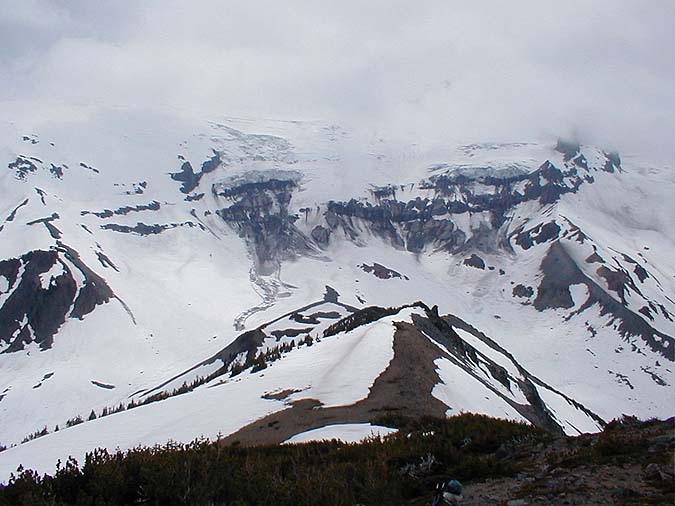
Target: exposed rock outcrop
560,272
258,208
42,292
421,223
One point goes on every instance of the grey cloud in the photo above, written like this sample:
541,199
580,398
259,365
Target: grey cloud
433,71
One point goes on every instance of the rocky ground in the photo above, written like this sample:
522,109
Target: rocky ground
630,463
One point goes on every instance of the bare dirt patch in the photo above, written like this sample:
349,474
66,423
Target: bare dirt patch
403,388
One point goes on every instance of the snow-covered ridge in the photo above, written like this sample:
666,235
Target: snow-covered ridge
339,372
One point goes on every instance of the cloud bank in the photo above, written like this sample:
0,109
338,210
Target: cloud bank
436,71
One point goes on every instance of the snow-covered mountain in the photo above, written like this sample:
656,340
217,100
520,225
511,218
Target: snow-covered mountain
144,256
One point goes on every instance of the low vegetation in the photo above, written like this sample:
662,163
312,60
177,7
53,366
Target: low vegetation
399,469
630,462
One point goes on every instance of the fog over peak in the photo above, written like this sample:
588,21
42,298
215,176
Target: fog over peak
601,72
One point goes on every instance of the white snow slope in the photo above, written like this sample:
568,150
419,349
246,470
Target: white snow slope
185,290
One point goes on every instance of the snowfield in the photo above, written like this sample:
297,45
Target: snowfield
347,432
333,372
154,280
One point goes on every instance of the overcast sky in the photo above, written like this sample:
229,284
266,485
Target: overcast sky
603,70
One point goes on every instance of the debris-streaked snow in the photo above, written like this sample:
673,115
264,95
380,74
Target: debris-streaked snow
462,394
